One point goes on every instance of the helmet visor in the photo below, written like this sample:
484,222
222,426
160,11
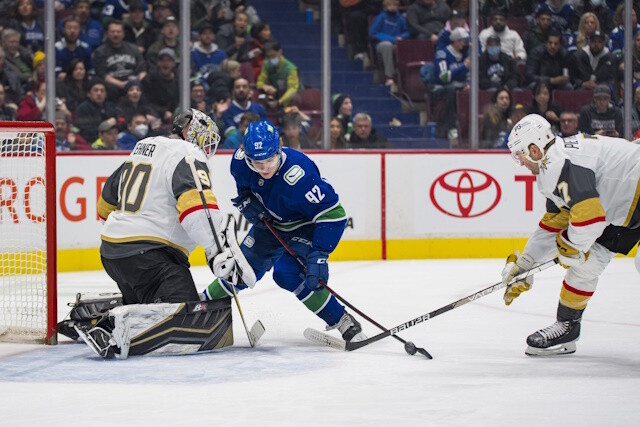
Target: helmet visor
266,166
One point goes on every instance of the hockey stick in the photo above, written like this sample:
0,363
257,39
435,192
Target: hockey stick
330,341
409,346
257,329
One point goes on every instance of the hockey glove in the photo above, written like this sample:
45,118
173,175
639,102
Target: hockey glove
568,255
222,264
317,270
516,264
251,208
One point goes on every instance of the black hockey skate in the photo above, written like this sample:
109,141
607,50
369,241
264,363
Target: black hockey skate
350,328
559,338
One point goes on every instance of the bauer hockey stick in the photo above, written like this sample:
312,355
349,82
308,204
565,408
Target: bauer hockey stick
409,346
350,346
257,329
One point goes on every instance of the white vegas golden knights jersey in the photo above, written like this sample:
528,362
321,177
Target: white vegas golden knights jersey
152,198
590,182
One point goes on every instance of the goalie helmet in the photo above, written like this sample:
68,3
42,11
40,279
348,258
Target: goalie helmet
201,130
532,129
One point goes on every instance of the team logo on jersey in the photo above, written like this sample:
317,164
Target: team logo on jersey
465,193
293,175
239,154
261,182
248,241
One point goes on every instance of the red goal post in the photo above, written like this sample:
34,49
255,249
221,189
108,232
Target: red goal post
28,282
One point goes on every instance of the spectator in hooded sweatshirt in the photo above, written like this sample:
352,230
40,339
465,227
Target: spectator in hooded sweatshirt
426,18
385,29
205,55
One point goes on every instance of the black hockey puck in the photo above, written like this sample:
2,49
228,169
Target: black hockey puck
410,348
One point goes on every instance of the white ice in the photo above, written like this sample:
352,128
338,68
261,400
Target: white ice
479,374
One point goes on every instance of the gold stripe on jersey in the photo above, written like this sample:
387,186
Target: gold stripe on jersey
104,208
555,222
634,205
131,239
587,212
191,199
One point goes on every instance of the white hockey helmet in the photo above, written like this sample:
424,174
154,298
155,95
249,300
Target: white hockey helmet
532,129
201,132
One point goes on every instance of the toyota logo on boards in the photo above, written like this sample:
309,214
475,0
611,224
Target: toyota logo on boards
465,193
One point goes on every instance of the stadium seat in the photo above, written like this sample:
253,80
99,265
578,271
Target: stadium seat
410,81
410,55
524,97
572,100
519,24
246,70
308,100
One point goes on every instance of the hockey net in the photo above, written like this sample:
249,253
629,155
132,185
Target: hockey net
28,303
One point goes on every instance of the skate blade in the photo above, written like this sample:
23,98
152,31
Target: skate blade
556,350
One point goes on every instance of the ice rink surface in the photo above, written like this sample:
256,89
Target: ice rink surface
479,374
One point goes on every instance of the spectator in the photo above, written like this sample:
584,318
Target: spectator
549,64
635,114
197,97
426,18
235,140
108,135
17,57
601,117
568,124
594,64
510,41
356,17
235,40
458,19
163,102
117,61
542,106
562,14
385,29
10,81
91,31
602,11
66,139
117,10
73,89
7,113
278,78
342,110
137,129
39,67
537,35
168,40
616,37
240,104
94,110
452,74
26,22
490,6
244,7
364,135
33,105
260,34
221,81
588,24
336,133
205,55
292,135
137,30
516,114
70,47
496,119
133,102
496,69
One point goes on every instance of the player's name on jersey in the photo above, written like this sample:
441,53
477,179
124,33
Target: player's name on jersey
144,149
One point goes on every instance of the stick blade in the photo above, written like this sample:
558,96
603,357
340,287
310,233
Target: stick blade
326,340
256,332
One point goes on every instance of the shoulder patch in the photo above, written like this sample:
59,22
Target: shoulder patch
293,175
239,154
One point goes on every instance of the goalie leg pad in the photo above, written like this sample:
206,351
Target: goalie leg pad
88,311
178,328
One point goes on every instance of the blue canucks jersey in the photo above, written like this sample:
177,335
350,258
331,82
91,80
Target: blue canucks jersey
296,196
450,66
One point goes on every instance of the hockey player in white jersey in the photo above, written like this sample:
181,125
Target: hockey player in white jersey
592,186
154,218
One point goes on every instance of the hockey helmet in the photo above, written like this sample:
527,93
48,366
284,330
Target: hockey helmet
261,141
201,131
532,129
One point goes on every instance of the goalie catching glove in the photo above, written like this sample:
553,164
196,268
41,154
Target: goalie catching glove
516,264
568,255
230,263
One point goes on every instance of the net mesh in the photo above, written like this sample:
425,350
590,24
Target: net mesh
23,236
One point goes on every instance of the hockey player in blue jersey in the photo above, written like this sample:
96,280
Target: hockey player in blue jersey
284,187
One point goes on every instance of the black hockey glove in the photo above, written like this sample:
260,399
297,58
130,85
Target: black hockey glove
251,208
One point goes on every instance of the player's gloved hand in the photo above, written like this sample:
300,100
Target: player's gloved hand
222,264
317,269
516,264
251,207
568,255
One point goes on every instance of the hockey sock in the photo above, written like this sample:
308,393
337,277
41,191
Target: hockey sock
219,288
324,305
573,298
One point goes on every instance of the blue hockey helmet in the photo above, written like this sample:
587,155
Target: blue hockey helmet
261,140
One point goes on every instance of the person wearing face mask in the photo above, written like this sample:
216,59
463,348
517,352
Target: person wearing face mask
137,129
594,64
278,78
510,41
496,69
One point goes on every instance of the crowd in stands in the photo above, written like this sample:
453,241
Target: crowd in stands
117,62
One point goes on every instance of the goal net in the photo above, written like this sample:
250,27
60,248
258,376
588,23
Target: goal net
28,311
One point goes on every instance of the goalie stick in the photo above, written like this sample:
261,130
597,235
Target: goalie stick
409,346
257,329
330,341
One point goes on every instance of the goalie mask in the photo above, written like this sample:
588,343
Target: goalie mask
201,130
532,129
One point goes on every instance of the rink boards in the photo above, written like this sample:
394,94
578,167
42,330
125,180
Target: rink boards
400,205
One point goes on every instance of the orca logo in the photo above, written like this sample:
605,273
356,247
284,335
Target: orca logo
465,193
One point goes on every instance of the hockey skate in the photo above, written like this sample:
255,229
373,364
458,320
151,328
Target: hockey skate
349,327
557,339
